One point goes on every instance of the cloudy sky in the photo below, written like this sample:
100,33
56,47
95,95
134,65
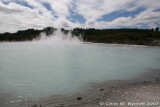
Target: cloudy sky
22,14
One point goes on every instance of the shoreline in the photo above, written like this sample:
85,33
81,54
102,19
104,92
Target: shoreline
109,44
114,44
145,88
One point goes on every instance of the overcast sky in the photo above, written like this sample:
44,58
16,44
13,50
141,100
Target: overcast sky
23,14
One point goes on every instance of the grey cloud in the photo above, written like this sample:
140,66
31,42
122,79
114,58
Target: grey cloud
6,10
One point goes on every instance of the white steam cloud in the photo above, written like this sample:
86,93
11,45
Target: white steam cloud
59,38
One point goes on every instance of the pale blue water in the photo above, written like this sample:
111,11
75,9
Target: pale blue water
34,70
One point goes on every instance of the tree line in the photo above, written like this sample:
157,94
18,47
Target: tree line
119,36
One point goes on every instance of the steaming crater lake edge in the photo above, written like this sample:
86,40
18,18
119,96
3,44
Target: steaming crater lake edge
30,70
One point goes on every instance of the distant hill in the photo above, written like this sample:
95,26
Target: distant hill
119,36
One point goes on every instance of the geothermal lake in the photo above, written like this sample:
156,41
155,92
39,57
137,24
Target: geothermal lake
30,70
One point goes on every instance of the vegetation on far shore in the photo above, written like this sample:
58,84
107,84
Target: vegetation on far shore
119,36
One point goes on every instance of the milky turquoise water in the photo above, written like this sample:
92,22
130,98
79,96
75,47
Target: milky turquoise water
33,70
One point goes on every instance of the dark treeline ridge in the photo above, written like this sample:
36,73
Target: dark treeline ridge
119,36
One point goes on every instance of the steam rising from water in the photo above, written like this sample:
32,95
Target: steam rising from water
59,38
